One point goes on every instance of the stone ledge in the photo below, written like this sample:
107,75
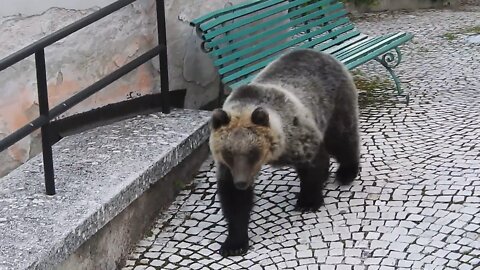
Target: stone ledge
98,174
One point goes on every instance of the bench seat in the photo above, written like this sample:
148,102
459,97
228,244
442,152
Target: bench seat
242,39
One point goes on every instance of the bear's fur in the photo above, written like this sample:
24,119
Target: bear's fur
296,112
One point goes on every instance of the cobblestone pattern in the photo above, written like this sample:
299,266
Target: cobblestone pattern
416,204
470,2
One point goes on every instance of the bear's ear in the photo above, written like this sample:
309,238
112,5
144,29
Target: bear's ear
260,117
219,118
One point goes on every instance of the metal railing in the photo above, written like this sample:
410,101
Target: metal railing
47,115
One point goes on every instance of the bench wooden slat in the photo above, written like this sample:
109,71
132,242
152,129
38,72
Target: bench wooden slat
239,13
250,19
251,72
378,44
264,26
341,37
285,35
358,47
353,64
406,37
223,11
347,44
291,43
336,41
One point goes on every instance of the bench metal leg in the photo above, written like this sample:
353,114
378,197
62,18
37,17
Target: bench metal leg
390,61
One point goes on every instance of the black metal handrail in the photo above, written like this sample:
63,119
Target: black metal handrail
47,115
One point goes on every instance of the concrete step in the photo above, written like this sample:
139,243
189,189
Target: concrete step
99,174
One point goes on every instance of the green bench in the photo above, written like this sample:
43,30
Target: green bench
242,39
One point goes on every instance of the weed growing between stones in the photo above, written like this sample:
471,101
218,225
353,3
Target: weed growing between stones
474,30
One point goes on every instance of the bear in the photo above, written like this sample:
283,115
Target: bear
298,111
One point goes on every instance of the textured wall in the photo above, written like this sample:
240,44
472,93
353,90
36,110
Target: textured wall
88,55
390,5
190,68
29,7
72,64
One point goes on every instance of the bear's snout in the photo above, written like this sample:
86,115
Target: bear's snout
241,185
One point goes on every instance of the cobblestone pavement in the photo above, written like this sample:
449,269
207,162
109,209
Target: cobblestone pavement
416,204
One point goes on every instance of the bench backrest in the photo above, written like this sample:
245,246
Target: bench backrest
243,39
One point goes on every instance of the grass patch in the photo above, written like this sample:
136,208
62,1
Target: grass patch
450,36
149,233
372,89
471,30
423,49
179,184
369,84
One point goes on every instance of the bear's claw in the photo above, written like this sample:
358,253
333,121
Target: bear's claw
306,209
346,174
232,252
233,249
308,205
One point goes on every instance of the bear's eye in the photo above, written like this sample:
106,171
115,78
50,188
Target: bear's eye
253,155
227,156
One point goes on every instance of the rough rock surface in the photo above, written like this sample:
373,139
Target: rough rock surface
98,174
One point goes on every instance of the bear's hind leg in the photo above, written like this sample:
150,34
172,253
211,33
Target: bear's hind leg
348,169
312,178
236,207
344,146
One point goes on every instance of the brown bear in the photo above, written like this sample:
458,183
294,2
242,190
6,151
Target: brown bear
297,111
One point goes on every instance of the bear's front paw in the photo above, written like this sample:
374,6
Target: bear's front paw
233,248
308,205
346,174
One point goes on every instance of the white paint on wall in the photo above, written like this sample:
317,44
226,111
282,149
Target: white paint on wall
32,7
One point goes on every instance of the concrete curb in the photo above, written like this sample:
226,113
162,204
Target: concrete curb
99,173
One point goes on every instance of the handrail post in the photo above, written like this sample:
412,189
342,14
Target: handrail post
162,42
45,130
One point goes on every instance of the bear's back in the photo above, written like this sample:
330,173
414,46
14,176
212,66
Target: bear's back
317,79
305,88
308,74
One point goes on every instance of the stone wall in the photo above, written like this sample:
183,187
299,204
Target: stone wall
358,7
470,2
189,67
90,54
29,7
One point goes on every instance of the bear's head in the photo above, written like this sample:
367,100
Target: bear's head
243,140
